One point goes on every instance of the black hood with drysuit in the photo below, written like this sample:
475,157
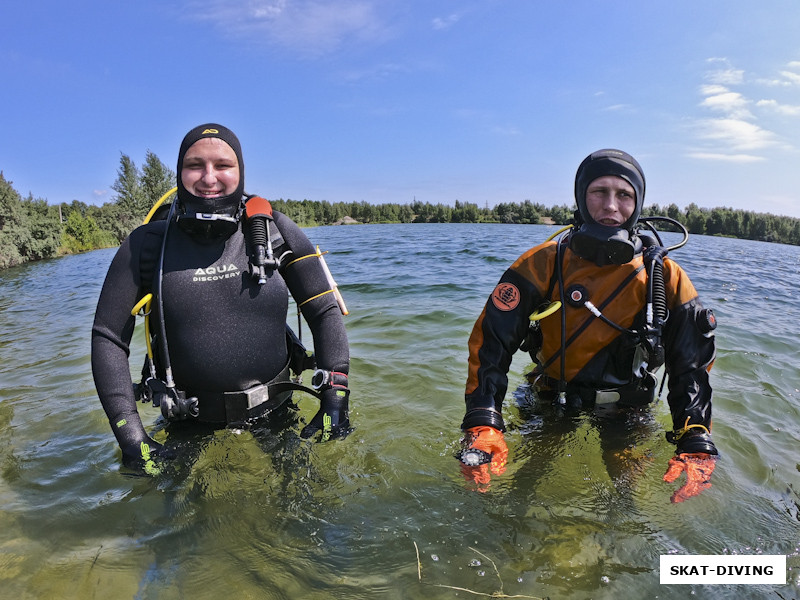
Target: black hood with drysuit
602,244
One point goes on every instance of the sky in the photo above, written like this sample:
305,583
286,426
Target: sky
481,101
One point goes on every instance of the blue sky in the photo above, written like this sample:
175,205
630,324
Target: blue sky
482,101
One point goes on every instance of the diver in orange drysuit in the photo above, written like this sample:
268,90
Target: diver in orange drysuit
600,344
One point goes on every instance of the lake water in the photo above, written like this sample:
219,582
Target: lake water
386,513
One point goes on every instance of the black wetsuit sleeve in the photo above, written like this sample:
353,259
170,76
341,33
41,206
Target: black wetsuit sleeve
111,335
689,356
496,336
308,285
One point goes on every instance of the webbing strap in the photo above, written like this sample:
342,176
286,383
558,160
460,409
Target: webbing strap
591,317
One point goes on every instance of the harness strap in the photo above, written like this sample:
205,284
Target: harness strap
590,319
149,254
256,401
635,393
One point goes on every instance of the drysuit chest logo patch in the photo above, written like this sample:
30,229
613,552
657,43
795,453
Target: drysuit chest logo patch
216,273
505,296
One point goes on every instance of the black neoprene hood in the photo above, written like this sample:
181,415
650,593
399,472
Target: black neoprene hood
225,204
609,162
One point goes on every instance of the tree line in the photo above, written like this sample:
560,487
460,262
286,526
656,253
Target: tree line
727,222
32,229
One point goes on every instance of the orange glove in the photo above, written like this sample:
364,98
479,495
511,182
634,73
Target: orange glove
484,452
698,466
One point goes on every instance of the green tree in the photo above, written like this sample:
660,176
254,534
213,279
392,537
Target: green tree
422,212
715,223
29,228
444,213
130,195
561,215
528,215
405,214
794,237
110,219
44,226
12,224
81,233
80,230
695,219
673,212
156,180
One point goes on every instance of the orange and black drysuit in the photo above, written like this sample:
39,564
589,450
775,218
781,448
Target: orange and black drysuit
598,356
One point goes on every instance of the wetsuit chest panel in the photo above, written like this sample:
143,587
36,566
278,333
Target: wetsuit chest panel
225,331
618,291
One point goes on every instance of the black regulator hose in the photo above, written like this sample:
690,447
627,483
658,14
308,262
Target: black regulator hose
157,287
656,309
657,291
646,221
562,380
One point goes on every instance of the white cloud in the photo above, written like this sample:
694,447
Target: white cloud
377,72
506,131
309,27
711,90
735,158
725,74
793,78
782,109
736,134
729,103
446,22
269,10
786,78
617,107
773,82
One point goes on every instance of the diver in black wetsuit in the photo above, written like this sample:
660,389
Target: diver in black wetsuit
224,302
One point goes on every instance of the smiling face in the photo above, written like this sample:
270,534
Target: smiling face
610,200
210,169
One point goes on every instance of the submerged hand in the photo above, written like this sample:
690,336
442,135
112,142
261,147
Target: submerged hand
146,457
484,453
698,466
332,418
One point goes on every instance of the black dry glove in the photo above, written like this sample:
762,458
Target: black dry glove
692,443
139,451
146,457
333,416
